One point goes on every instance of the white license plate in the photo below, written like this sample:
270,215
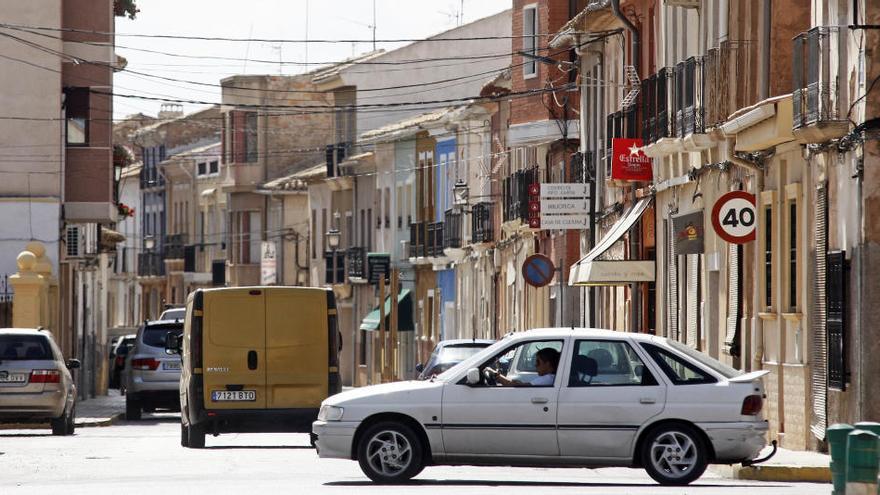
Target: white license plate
170,366
6,377
233,395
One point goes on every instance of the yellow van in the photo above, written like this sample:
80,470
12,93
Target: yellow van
255,359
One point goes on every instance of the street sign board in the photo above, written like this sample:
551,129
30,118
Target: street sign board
628,161
560,206
734,217
268,264
564,191
378,265
565,222
538,270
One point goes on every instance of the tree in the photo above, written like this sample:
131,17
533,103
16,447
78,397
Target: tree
122,8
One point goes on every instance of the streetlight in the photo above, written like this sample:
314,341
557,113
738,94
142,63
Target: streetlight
460,194
333,238
149,242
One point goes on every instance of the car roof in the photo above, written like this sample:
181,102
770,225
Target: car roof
176,321
454,342
583,332
23,331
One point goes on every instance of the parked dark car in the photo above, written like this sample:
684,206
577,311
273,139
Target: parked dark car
448,353
117,358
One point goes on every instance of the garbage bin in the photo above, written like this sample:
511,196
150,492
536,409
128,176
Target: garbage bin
862,456
836,435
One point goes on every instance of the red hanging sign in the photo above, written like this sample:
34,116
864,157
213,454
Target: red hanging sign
629,162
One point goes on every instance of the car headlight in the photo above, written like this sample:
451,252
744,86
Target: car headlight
330,413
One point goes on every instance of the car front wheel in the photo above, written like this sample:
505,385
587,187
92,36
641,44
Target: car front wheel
193,436
674,454
132,408
390,452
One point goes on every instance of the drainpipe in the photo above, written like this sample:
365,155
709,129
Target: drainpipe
636,39
757,322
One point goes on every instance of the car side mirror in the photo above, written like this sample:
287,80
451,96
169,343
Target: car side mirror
172,343
73,364
420,368
473,376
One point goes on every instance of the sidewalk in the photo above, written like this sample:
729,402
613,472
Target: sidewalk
786,465
100,411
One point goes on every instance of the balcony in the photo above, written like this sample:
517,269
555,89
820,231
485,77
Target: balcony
434,245
175,246
730,82
357,263
334,274
688,98
818,112
417,240
150,264
482,228
452,230
516,194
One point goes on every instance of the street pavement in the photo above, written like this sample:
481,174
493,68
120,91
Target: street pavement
146,457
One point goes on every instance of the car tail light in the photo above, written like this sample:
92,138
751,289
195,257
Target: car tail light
144,364
45,376
752,405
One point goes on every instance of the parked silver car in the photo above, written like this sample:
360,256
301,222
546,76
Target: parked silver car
35,381
152,377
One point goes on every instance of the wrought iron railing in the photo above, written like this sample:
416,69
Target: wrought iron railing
452,229
435,239
815,64
482,229
417,240
151,264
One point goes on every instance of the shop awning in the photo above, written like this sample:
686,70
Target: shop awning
592,271
404,314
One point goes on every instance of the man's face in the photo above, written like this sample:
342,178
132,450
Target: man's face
542,366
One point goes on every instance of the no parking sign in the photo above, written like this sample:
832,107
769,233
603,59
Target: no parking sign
734,217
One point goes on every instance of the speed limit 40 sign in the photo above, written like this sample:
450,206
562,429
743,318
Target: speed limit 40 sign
734,217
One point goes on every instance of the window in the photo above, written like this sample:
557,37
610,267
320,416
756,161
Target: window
518,362
597,363
792,255
76,105
256,237
362,349
314,234
679,371
214,168
24,348
530,40
202,169
250,137
768,256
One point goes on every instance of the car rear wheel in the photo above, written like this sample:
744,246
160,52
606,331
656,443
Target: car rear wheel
194,436
390,452
65,424
132,408
674,454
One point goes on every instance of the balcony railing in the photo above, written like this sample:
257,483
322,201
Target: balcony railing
357,261
815,62
656,103
434,245
482,228
336,276
150,264
452,229
688,96
417,240
516,194
174,246
729,81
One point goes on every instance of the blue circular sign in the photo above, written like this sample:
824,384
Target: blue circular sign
538,270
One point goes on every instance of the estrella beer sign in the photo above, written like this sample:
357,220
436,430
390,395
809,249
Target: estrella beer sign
628,161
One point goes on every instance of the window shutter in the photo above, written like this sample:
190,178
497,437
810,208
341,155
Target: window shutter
835,324
239,150
672,285
731,339
819,369
693,300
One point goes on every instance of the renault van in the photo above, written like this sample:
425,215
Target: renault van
255,359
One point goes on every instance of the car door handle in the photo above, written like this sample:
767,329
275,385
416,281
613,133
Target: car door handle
647,400
540,400
252,360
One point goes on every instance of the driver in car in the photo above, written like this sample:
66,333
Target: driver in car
546,361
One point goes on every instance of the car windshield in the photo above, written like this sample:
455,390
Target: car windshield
706,360
154,335
459,352
173,314
24,347
475,357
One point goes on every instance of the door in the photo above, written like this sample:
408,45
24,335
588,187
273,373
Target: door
503,420
296,347
608,394
234,356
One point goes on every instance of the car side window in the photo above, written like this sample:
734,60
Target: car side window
679,371
598,363
519,362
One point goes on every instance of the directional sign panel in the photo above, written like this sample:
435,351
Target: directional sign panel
565,222
564,206
564,191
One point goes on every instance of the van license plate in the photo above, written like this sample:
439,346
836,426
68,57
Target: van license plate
233,395
170,366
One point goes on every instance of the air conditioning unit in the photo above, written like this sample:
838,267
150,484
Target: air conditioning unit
81,240
688,4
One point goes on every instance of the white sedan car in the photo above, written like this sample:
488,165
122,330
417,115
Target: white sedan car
617,399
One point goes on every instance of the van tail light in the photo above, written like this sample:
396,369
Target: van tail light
145,364
752,405
45,376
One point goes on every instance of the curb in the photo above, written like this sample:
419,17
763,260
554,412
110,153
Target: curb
803,474
80,423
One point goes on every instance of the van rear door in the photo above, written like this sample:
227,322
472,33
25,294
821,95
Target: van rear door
234,354
296,347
